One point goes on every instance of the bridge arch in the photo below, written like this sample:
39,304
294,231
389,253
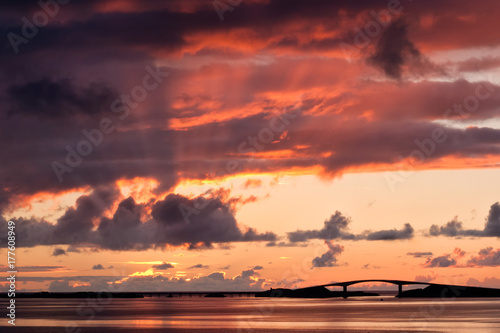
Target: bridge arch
399,283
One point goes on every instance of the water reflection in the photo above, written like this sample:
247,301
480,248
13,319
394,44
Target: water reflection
458,316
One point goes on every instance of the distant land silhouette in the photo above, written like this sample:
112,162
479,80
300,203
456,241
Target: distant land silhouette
433,290
445,291
311,292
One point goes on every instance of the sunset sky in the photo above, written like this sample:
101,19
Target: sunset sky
242,145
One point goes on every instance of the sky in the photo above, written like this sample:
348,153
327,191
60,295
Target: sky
191,145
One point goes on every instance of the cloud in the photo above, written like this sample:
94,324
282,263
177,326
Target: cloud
424,278
73,248
249,273
346,123
336,227
199,266
247,280
252,183
76,224
58,252
59,98
257,268
454,228
394,49
446,260
286,244
31,269
419,254
441,261
214,223
329,258
479,64
74,227
70,99
173,221
60,286
393,234
163,266
492,226
486,257
488,282
98,266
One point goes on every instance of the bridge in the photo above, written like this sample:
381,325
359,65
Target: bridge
344,285
399,283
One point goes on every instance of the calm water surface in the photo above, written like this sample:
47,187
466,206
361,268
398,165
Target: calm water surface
255,315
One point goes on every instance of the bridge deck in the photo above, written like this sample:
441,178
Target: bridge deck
397,282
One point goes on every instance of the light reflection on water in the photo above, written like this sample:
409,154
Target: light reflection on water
458,316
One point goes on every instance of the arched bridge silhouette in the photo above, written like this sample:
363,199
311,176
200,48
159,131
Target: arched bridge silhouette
399,283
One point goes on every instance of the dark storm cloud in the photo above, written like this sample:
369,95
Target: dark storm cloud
59,98
159,27
329,258
31,232
212,223
394,50
118,45
492,226
125,230
455,228
337,228
153,26
160,153
76,225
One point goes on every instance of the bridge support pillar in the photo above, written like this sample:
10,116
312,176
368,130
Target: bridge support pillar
400,289
344,291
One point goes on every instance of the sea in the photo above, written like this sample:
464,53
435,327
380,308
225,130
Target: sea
249,314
